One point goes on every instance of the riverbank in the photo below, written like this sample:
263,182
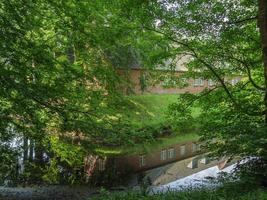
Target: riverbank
85,192
149,112
230,192
47,193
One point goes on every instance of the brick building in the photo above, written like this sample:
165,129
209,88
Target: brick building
176,152
141,162
135,75
157,81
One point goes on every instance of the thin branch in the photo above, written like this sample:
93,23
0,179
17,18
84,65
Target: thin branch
203,94
245,64
194,54
242,87
60,109
243,20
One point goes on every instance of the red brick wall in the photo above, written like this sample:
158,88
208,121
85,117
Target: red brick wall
153,159
134,77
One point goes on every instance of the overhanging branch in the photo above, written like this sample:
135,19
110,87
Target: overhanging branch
246,65
243,20
194,54
203,94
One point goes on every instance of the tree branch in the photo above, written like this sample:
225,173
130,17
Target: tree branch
243,20
194,54
202,94
60,109
245,64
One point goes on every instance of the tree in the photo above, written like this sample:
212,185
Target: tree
225,40
57,81
262,23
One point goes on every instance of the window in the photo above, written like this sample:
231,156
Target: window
101,164
199,82
163,154
184,82
182,150
194,147
169,82
234,81
142,160
211,82
171,153
198,147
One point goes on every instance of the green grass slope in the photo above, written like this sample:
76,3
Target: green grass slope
144,148
148,109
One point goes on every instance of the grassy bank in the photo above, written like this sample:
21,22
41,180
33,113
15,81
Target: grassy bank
143,148
148,110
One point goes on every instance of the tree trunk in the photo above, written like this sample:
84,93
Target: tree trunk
25,149
39,151
262,23
31,150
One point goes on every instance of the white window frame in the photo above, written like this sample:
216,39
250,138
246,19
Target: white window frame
142,160
198,147
194,147
211,82
234,81
199,82
171,153
163,154
168,82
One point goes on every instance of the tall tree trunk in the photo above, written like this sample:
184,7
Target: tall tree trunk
39,151
262,23
25,149
31,150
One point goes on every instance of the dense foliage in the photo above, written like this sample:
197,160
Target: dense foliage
230,192
59,86
58,82
225,43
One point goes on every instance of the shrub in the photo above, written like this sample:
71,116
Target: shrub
229,192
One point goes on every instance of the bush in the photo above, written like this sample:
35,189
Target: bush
253,171
229,192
